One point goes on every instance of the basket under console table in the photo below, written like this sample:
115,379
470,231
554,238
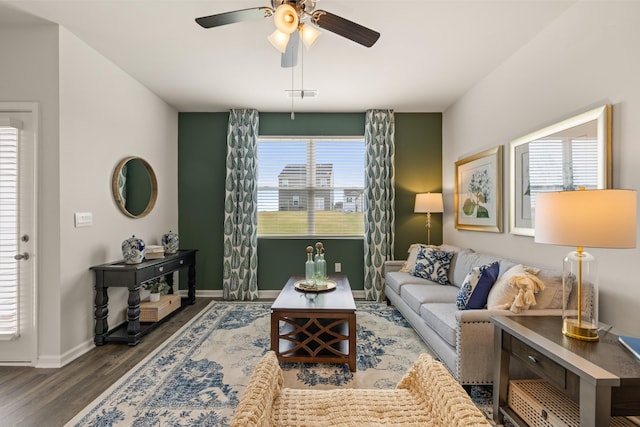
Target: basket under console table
132,276
601,377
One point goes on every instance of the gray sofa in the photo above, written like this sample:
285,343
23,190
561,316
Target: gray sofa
462,339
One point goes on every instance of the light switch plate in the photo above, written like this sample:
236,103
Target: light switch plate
83,219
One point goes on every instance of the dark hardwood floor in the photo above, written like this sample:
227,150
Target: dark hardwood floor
51,397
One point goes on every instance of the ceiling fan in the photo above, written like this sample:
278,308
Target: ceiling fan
292,19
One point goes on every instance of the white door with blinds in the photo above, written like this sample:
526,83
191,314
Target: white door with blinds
18,333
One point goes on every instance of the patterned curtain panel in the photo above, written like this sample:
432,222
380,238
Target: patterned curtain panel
379,221
240,275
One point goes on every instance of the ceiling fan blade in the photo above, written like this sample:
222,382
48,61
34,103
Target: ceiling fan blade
235,16
290,55
345,28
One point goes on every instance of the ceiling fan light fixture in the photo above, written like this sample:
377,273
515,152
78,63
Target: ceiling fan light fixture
286,18
308,34
279,40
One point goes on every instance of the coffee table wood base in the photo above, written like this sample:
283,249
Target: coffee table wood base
315,328
314,337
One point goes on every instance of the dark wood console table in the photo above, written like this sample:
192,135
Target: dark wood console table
602,377
132,276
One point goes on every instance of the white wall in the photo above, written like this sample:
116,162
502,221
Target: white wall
105,115
30,73
92,115
586,58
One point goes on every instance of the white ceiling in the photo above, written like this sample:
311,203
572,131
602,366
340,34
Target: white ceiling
429,53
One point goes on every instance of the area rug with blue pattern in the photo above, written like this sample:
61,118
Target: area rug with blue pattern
197,376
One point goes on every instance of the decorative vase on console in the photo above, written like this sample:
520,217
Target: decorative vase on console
170,242
133,250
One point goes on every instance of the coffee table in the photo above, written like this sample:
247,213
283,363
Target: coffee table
316,327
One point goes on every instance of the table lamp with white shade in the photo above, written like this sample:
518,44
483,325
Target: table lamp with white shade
591,218
428,203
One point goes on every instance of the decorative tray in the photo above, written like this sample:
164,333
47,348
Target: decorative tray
302,285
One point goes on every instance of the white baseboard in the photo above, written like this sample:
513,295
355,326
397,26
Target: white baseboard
67,357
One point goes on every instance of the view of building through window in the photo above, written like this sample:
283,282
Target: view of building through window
310,186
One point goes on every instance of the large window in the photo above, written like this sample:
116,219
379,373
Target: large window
310,186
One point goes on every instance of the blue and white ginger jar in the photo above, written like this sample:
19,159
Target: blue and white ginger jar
170,242
133,250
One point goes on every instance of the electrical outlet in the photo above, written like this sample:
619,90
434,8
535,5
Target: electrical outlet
338,267
83,219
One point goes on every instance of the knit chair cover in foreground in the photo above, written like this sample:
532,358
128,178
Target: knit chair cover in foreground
427,396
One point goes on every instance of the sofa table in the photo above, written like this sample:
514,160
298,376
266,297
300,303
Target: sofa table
316,327
132,276
602,377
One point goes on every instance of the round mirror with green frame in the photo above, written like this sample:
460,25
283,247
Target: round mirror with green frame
134,186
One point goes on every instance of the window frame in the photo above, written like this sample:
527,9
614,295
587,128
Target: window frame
311,143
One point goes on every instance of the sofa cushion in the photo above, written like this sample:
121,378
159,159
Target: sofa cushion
456,250
475,289
433,264
396,279
416,295
465,260
502,294
551,296
412,255
441,317
505,264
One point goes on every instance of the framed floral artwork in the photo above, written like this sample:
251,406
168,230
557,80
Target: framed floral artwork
478,192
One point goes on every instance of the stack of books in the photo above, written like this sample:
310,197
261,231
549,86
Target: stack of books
154,252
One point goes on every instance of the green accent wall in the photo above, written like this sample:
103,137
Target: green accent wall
202,140
280,258
418,170
312,124
201,170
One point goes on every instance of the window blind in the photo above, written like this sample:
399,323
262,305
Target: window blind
585,163
310,186
562,165
8,232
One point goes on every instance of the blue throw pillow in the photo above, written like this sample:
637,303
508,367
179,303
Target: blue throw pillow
433,264
475,289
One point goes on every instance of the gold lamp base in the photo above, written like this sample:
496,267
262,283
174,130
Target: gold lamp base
584,331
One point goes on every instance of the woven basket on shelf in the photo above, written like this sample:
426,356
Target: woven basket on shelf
154,311
540,404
